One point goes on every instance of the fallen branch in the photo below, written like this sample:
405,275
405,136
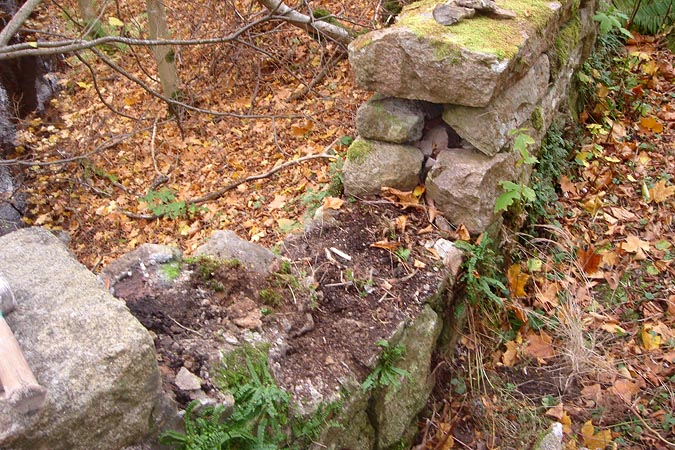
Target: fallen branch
220,192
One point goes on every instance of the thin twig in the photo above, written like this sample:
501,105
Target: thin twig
184,327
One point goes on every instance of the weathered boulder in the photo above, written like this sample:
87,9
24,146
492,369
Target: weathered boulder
390,119
467,63
225,244
488,128
140,259
94,358
372,165
464,185
396,407
12,203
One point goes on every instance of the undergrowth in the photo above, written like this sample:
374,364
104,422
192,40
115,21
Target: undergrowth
262,418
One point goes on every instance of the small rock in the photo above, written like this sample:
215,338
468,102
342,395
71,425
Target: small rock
227,245
552,440
187,381
451,255
451,14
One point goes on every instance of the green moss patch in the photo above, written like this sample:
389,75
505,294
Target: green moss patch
358,151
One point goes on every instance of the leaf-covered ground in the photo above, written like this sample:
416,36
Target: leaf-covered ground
587,337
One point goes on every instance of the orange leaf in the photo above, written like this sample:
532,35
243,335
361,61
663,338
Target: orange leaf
332,203
278,202
386,245
566,422
651,123
540,345
401,222
517,280
593,440
589,260
303,129
660,192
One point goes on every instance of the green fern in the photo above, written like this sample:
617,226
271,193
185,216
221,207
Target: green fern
648,16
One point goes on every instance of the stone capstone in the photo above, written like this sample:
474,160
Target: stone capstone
467,64
464,185
390,119
95,359
488,128
372,165
226,245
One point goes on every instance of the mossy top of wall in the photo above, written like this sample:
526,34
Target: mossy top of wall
467,63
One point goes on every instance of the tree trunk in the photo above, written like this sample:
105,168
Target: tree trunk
164,54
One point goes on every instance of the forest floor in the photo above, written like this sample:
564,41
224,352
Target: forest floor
586,337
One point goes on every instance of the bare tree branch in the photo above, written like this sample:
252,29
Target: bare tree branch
308,23
17,20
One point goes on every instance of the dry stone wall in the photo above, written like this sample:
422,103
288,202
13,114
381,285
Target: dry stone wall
449,97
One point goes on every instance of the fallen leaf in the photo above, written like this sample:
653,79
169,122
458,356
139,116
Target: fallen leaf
589,260
651,340
566,422
278,202
556,412
386,245
510,355
593,440
539,345
633,244
660,192
612,327
625,389
650,123
517,280
463,234
302,129
567,186
332,203
593,204
404,198
401,222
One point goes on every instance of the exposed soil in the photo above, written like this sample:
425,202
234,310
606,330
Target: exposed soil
322,319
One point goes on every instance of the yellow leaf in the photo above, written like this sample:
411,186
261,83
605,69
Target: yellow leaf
650,339
566,422
593,440
517,280
594,204
418,191
115,22
660,192
332,203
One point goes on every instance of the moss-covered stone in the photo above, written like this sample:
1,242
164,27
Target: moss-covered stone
358,151
537,119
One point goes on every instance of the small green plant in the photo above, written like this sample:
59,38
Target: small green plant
480,271
270,297
611,19
403,254
171,270
517,192
385,372
163,203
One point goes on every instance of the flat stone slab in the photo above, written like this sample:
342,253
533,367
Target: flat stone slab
467,63
94,358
